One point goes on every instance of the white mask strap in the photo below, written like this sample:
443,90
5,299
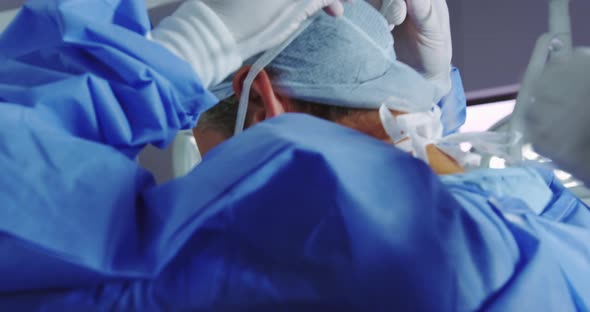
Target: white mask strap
412,132
391,126
266,58
418,130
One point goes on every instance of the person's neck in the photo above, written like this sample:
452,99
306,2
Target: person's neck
370,124
442,163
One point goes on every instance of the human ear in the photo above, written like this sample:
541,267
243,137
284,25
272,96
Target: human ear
264,102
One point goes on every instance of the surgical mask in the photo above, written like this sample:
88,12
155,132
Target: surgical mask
413,132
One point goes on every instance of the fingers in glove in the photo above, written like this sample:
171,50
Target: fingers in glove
419,10
394,11
335,8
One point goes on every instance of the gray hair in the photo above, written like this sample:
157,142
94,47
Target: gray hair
222,117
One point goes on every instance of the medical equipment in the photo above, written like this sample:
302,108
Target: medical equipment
552,46
558,125
531,158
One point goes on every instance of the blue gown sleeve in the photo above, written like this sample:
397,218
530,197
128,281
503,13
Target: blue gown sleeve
550,225
88,68
82,90
454,105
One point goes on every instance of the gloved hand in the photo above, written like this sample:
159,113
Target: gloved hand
423,40
556,121
394,11
259,25
216,36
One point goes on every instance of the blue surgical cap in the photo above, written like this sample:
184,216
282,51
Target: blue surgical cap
348,61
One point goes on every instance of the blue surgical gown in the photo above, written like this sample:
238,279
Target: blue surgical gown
273,218
276,217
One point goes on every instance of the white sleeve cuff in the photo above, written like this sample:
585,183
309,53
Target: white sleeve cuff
196,34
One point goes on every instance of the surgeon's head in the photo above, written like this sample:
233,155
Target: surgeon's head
341,70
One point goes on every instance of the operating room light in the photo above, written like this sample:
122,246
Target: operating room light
562,175
572,184
528,152
465,147
497,163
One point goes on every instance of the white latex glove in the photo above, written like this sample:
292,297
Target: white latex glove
423,40
216,36
394,11
558,119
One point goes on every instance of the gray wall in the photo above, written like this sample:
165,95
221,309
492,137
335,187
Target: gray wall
10,4
493,40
